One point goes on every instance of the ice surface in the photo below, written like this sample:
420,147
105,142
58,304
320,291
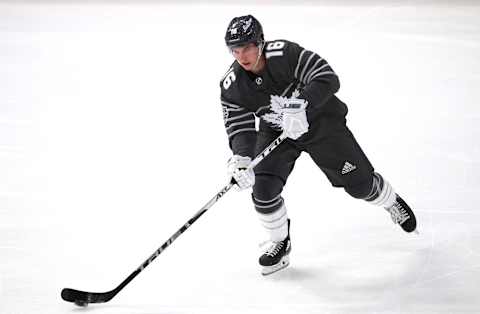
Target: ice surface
111,137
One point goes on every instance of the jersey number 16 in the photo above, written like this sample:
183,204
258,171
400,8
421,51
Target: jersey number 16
274,49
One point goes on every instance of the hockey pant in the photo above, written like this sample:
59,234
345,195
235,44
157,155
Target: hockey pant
338,155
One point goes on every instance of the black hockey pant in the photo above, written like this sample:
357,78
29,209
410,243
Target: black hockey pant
334,150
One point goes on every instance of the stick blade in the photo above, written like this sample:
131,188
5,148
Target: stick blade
82,298
75,296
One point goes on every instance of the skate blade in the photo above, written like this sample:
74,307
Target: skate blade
268,270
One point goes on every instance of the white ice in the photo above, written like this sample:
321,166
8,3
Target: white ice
111,137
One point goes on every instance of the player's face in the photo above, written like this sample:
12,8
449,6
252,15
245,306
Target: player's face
247,56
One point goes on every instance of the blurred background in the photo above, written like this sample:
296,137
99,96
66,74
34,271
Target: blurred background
112,137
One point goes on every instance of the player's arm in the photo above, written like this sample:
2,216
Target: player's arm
241,132
240,128
320,81
242,135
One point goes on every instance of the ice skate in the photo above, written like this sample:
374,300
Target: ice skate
276,256
403,215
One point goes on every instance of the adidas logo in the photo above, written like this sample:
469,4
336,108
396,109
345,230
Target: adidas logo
348,167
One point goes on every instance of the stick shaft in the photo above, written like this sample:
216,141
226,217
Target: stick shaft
89,297
210,203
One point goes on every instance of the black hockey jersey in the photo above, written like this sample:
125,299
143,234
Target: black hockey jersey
290,71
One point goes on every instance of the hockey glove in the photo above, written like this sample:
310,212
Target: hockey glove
293,115
237,167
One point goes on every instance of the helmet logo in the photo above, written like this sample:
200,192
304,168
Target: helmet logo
233,29
247,25
244,24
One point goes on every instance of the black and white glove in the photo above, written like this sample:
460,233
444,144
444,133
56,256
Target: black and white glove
237,167
293,115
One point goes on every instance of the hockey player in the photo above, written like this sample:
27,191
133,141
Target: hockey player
291,90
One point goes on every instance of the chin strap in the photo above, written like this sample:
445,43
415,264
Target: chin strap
260,51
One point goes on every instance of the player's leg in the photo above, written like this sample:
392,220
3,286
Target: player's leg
383,194
346,165
270,177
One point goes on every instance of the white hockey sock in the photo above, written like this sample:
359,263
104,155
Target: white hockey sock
275,223
386,196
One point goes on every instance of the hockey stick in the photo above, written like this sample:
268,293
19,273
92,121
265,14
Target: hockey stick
83,298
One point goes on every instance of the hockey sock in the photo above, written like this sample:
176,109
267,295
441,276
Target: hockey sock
275,223
382,193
